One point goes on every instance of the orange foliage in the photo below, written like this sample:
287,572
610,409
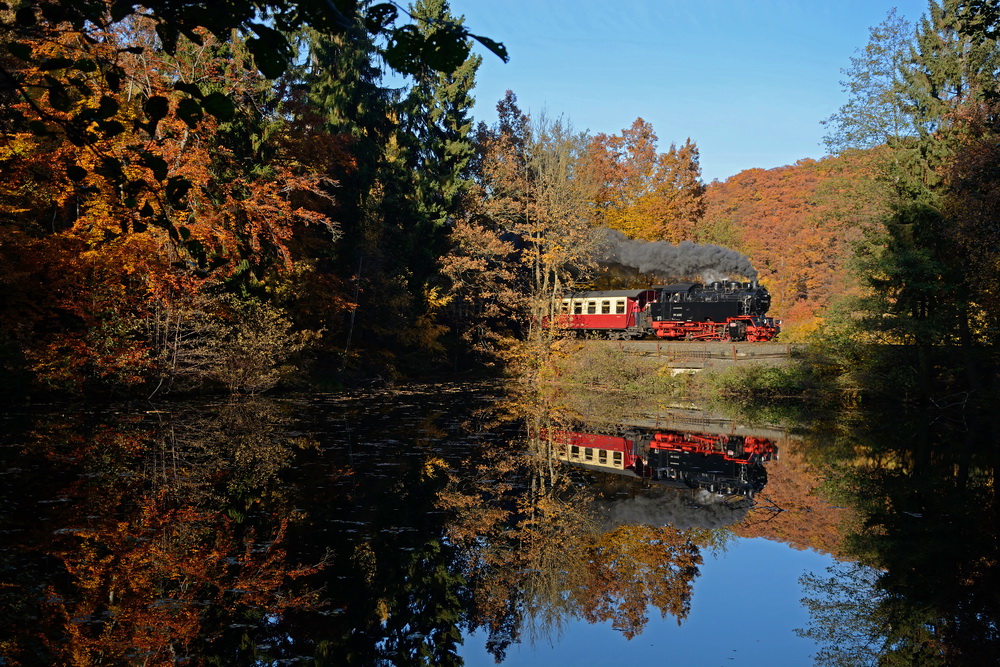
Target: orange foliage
147,560
643,193
797,224
791,509
634,567
532,553
141,584
97,233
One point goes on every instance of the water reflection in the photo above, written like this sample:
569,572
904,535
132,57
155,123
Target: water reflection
921,587
145,537
383,528
549,533
726,464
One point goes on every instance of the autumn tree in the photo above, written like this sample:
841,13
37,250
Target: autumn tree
557,220
173,527
635,568
922,291
533,194
266,28
184,147
527,541
798,223
643,193
133,256
484,310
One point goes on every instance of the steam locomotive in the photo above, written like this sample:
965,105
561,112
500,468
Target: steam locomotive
720,311
718,463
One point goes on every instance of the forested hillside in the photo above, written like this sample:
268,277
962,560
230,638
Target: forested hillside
213,200
799,224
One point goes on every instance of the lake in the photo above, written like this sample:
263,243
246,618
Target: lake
450,524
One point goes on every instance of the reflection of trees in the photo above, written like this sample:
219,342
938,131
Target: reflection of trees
391,592
841,610
520,534
633,567
170,536
528,544
790,509
924,490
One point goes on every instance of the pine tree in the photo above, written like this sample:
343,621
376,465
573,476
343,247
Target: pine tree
436,118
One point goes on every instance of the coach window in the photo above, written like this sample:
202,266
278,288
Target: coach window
574,451
616,458
564,308
602,457
588,454
620,306
578,307
605,307
591,306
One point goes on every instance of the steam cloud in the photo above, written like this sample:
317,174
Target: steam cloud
684,260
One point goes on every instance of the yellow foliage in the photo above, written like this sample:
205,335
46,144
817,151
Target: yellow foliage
436,297
432,467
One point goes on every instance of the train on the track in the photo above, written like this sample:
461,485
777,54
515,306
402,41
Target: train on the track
719,311
718,463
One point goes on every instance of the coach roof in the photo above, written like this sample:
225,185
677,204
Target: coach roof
631,293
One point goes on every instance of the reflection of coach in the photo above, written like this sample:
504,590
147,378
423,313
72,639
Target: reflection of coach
721,311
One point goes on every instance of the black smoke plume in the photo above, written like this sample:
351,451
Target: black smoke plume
685,260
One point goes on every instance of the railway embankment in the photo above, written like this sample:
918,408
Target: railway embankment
694,356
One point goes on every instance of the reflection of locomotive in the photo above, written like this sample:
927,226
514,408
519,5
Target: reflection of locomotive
723,464
720,311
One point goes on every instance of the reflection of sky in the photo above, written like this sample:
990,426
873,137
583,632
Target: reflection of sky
744,611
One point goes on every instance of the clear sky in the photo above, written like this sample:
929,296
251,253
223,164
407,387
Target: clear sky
747,80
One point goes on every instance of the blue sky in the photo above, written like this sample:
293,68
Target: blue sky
747,80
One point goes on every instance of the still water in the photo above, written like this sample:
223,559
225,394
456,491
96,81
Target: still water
454,524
